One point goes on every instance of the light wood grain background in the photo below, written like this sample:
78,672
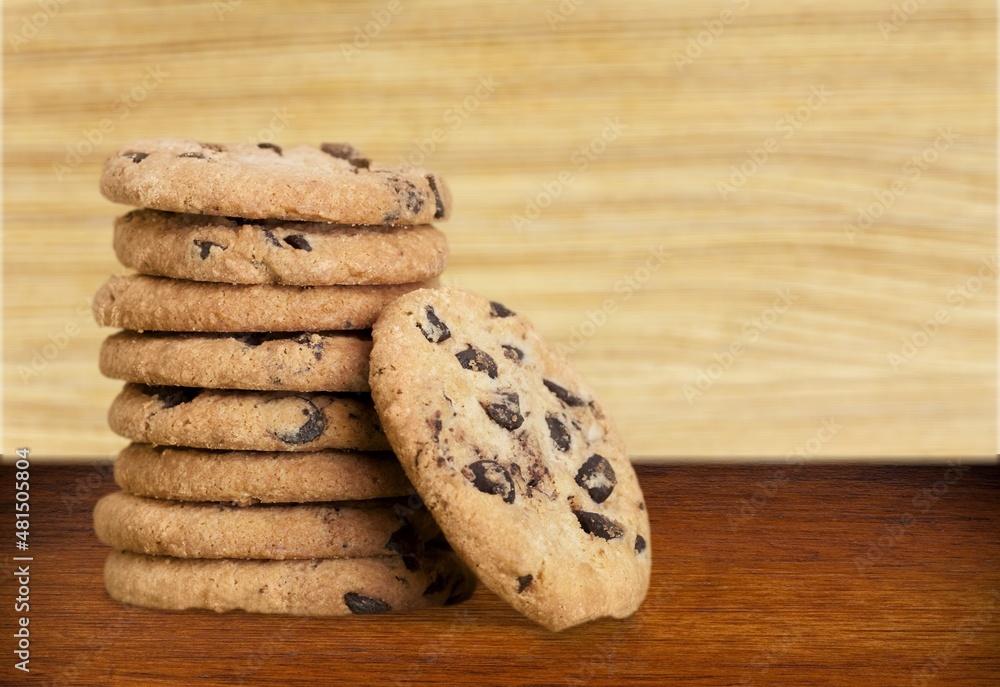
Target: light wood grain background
622,120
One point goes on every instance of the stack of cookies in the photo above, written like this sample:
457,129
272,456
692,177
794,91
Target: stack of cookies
259,477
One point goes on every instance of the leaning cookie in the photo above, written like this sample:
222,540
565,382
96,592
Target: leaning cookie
330,361
332,182
514,455
242,251
141,302
248,477
245,420
275,532
323,587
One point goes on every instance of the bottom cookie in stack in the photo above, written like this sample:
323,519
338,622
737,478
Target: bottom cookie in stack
325,558
324,587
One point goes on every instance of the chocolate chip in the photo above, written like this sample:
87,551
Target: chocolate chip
405,543
270,146
344,151
307,340
640,543
490,477
171,396
438,203
299,242
365,605
438,584
310,430
270,237
435,426
217,147
136,157
598,477
478,361
537,472
196,156
414,198
523,581
557,430
437,331
499,310
460,591
252,339
206,248
506,412
513,353
598,525
562,394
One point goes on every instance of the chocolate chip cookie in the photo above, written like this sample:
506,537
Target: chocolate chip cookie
514,455
332,182
242,251
319,587
246,420
274,531
329,361
247,477
140,302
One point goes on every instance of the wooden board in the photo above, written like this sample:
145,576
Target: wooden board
818,576
866,136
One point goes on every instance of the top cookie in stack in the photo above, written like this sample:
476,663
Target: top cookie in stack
332,183
260,273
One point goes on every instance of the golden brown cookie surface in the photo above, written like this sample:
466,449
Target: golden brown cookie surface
273,531
246,420
143,303
514,455
241,251
332,182
324,587
329,361
247,477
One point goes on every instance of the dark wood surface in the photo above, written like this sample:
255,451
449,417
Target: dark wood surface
763,575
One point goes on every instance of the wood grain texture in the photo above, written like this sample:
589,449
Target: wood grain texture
622,119
818,576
